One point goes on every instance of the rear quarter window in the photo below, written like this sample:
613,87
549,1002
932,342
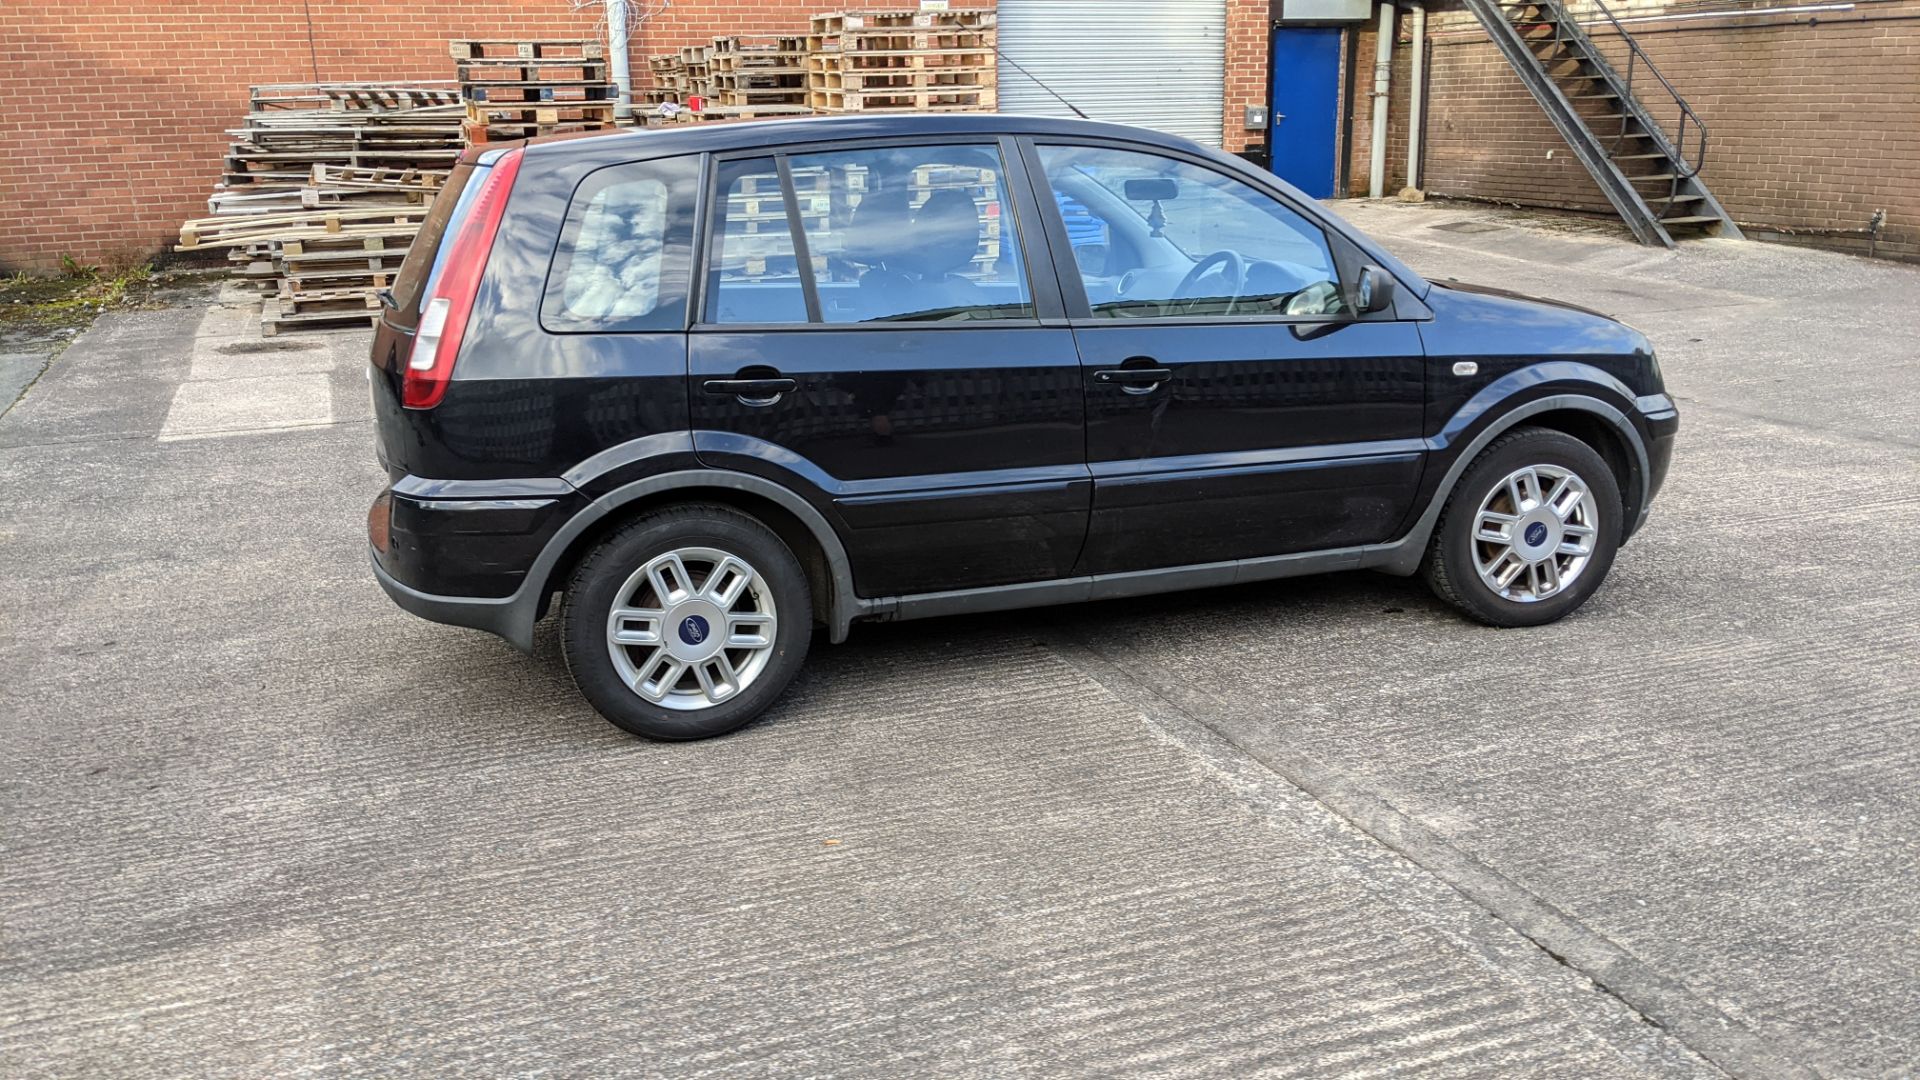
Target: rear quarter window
624,257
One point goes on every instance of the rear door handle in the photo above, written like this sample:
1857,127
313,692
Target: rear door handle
751,391
1134,380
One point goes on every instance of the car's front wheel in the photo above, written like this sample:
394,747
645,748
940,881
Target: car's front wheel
687,622
1529,532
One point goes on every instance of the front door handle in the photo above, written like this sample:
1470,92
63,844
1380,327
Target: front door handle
749,391
1134,380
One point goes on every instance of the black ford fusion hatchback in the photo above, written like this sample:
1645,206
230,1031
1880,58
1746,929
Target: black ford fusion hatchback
716,387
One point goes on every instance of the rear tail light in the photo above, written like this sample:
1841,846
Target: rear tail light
443,321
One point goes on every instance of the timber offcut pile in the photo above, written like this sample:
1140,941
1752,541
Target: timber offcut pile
519,89
323,189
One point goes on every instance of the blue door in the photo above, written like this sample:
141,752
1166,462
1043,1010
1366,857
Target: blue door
1306,104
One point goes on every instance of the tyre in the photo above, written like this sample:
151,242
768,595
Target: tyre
1529,532
687,622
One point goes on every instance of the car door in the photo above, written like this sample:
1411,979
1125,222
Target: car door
872,337
1236,408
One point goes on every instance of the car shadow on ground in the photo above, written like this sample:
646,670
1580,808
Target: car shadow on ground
890,656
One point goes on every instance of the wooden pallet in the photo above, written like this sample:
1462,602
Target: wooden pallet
348,97
297,301
239,230
472,51
393,242
926,100
759,69
838,30
403,180
276,315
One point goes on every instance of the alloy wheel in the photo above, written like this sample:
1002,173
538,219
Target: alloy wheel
1534,533
692,628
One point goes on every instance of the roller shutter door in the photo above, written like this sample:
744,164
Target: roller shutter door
1156,63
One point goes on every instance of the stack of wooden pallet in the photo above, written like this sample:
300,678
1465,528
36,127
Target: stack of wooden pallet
518,89
902,61
669,80
289,129
320,267
323,189
760,74
697,60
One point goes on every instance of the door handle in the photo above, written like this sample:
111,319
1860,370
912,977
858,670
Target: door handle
1134,380
749,391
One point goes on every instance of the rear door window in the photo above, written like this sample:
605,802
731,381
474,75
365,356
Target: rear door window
624,255
911,234
891,234
753,275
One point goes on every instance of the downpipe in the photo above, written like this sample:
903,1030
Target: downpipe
1416,103
1382,83
622,64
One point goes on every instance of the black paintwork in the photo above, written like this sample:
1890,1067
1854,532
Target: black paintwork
940,457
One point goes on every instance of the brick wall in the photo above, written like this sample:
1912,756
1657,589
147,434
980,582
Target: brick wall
113,115
1247,47
1815,124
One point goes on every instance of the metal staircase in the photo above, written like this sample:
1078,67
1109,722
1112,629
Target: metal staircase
1652,178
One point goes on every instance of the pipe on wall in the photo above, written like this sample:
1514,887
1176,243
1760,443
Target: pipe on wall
1416,98
1382,81
622,67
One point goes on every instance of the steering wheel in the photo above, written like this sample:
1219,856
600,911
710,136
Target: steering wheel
1236,269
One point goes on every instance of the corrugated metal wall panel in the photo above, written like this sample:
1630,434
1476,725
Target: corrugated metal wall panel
1157,63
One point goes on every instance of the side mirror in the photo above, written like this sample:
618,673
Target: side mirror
1374,291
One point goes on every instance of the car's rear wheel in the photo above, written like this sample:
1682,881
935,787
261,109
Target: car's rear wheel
1529,532
687,622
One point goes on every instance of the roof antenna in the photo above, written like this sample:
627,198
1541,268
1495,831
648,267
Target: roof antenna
1036,81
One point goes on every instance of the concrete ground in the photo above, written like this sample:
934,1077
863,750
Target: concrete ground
258,822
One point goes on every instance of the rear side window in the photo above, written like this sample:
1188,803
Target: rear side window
911,234
424,255
623,259
753,276
891,234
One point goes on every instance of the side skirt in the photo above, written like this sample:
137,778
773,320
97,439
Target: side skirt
1392,558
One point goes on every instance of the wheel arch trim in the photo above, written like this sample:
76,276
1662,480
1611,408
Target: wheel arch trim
513,617
1403,556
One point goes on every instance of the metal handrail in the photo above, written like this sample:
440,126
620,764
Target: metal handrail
1636,56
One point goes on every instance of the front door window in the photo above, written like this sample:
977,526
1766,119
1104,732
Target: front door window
1157,237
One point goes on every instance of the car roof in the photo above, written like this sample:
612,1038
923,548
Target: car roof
753,134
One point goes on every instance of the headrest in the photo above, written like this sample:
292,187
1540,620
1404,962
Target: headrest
878,231
946,232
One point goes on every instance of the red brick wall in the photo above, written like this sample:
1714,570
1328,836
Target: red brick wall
1814,125
112,115
1248,31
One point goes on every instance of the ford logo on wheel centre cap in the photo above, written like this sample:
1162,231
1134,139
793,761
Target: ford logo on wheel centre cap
693,629
1536,534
